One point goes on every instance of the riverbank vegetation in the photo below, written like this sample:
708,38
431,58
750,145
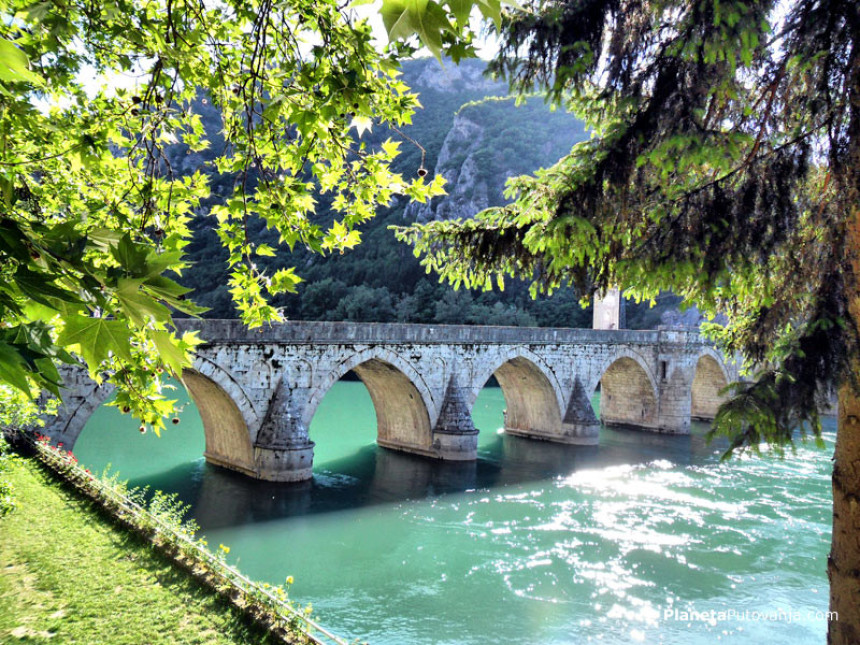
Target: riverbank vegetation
70,575
92,552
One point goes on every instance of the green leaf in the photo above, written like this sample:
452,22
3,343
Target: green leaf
14,66
38,287
424,18
284,281
96,338
137,305
131,257
12,368
165,287
172,355
491,9
105,237
13,241
362,124
461,10
391,148
50,376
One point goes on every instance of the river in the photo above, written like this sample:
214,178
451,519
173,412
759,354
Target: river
533,543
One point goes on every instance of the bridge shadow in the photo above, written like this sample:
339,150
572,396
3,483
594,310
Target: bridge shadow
376,476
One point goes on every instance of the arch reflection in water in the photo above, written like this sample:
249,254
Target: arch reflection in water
351,471
354,473
377,476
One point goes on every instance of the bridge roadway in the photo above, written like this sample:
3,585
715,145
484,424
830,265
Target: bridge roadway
257,391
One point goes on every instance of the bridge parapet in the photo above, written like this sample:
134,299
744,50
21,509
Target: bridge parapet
338,333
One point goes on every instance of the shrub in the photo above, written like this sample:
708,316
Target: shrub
7,500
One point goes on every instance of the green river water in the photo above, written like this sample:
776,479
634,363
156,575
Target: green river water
533,543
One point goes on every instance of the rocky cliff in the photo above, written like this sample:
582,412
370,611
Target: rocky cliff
467,194
490,141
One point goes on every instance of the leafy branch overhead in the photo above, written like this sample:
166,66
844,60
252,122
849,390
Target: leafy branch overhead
723,166
442,27
94,219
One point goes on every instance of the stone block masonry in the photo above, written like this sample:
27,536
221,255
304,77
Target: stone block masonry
257,391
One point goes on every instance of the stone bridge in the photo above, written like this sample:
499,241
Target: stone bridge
257,391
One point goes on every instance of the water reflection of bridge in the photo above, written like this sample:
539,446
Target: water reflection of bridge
258,391
373,476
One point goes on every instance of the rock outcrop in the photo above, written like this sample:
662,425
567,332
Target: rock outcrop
468,193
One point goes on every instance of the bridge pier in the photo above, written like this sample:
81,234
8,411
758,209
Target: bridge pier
283,452
580,425
285,463
455,437
673,392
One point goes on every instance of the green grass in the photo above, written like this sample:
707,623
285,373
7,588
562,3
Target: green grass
69,575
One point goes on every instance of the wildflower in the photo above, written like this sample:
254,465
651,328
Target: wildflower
289,580
224,549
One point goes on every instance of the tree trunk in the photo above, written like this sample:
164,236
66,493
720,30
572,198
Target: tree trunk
843,566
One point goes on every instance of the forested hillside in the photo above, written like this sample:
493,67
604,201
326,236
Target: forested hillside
476,138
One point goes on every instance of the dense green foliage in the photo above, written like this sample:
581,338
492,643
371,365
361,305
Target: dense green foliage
380,280
93,215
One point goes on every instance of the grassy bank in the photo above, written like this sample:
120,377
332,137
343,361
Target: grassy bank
69,575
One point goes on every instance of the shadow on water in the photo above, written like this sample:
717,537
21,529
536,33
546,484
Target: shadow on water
376,476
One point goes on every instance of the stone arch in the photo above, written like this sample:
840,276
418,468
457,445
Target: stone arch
628,393
80,401
533,396
720,360
596,375
230,420
710,377
401,399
